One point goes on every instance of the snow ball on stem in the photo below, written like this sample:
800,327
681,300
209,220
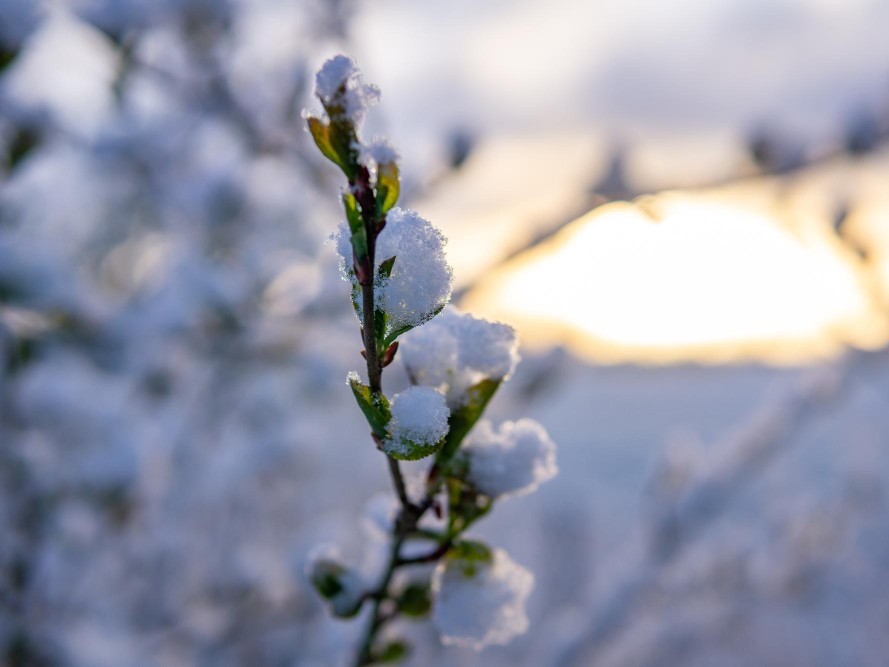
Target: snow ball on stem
339,84
419,420
457,350
421,280
513,460
378,151
479,603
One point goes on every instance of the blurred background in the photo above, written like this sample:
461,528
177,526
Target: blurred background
682,206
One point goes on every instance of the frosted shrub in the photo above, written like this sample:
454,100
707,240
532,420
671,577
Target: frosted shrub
395,262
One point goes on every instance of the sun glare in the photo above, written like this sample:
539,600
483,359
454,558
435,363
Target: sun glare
706,281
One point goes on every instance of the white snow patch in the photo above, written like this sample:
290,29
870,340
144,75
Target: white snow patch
513,460
421,280
419,417
378,151
478,604
457,350
339,81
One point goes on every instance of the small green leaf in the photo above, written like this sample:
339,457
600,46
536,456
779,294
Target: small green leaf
411,451
356,290
463,418
381,321
395,333
471,554
353,214
343,141
415,600
381,317
471,550
388,187
386,265
327,584
465,504
392,652
356,226
374,406
336,139
321,134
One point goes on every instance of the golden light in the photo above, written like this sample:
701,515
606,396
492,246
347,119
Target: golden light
708,280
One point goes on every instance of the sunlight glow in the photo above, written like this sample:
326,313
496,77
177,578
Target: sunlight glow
707,281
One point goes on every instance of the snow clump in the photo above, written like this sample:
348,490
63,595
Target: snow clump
421,280
378,151
512,461
339,83
419,418
456,351
480,603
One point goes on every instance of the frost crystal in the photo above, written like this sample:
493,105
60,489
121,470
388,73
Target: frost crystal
419,417
478,604
339,76
512,461
457,350
421,279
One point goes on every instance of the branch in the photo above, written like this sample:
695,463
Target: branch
431,557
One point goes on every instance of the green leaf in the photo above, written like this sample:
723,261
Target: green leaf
403,329
321,134
414,451
388,187
343,140
392,652
465,504
471,550
327,584
463,418
471,554
356,290
353,215
381,317
415,600
336,140
375,406
356,225
386,265
381,321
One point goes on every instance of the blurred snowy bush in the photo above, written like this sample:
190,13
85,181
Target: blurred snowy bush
167,335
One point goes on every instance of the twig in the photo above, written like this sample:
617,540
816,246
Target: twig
431,557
